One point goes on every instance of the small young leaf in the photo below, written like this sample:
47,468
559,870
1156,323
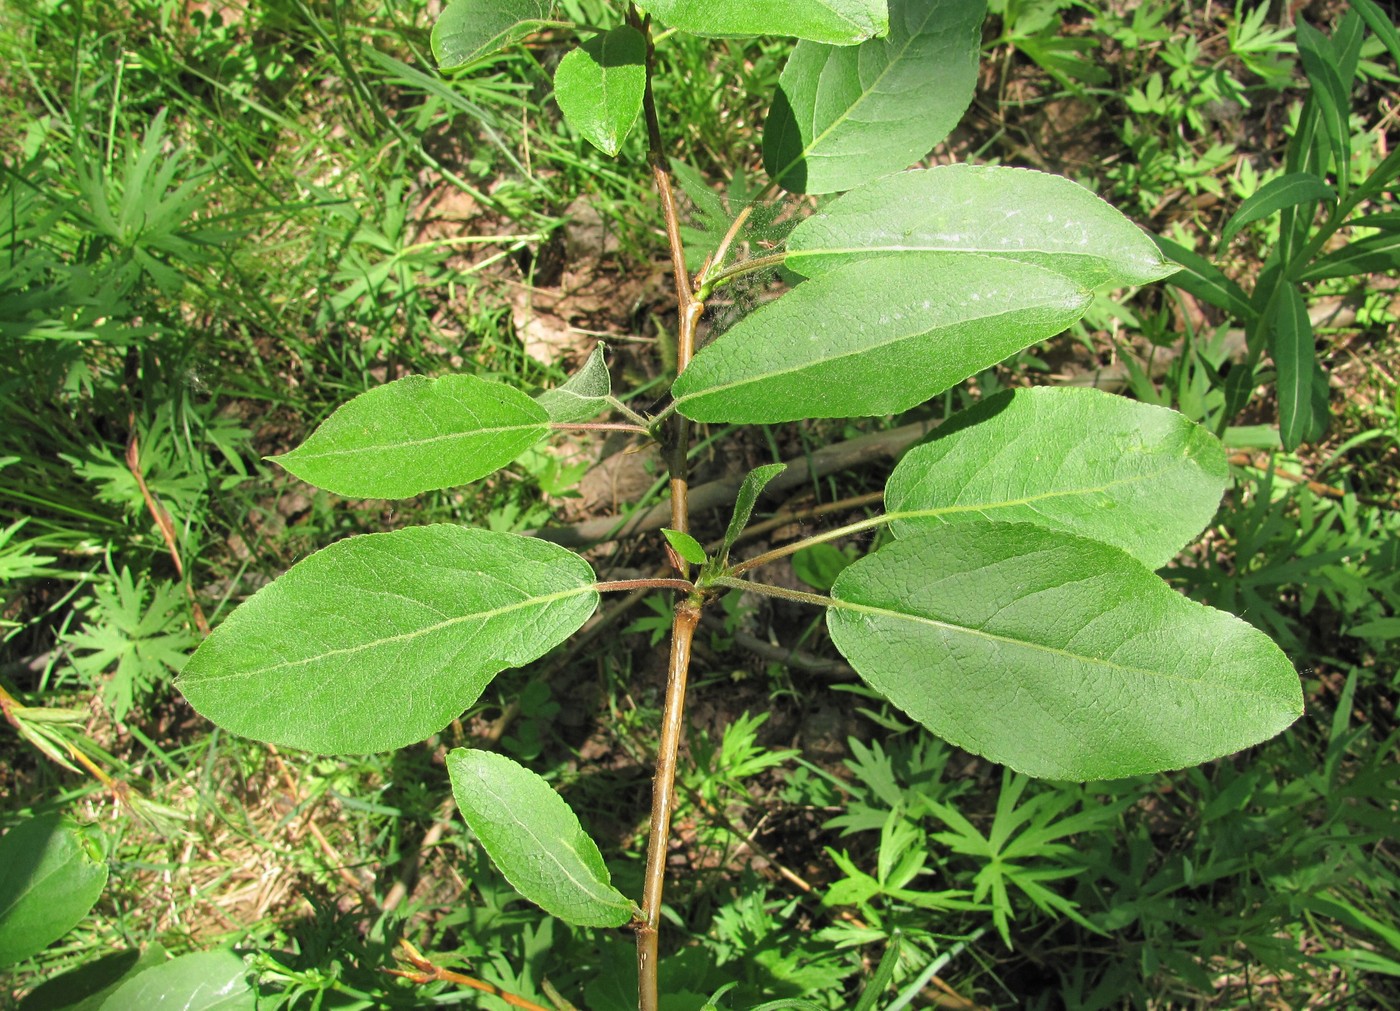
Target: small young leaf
535,839
875,338
839,22
201,981
1058,656
584,395
1142,478
754,483
380,640
599,86
1013,213
418,434
52,871
467,30
686,546
1302,412
845,115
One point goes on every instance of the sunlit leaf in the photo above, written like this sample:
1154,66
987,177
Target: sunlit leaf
840,22
467,30
52,871
1142,478
584,395
535,839
378,641
599,86
1058,656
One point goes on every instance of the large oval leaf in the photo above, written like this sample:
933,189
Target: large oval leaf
1030,216
1056,655
875,338
52,871
467,30
845,115
599,86
418,434
1142,478
535,839
87,986
840,22
378,641
201,981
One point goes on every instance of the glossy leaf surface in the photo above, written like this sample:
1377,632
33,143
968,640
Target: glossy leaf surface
418,434
52,871
840,22
535,839
599,86
378,641
202,981
467,30
584,395
845,115
1058,656
1142,478
875,338
1033,217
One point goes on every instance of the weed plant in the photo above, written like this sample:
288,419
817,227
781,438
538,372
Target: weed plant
219,225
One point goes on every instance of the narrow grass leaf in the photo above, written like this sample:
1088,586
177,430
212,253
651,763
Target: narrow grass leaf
535,839
844,115
378,641
52,871
870,338
1285,191
1291,345
584,395
1033,217
1334,104
1207,281
202,981
599,86
468,30
1380,25
1375,254
1139,477
839,22
1055,655
418,434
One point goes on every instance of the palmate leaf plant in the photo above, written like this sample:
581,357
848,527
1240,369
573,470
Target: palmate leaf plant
1013,609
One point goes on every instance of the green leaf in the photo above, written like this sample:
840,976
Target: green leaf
1033,217
875,338
535,839
599,86
87,986
1285,191
1142,478
418,434
1380,26
1058,656
1375,254
1333,103
1207,281
585,394
378,641
819,565
467,30
754,483
52,871
203,981
684,545
845,115
839,22
1302,413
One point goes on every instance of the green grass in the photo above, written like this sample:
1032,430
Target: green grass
215,231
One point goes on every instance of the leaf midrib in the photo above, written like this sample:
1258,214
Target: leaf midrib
397,444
